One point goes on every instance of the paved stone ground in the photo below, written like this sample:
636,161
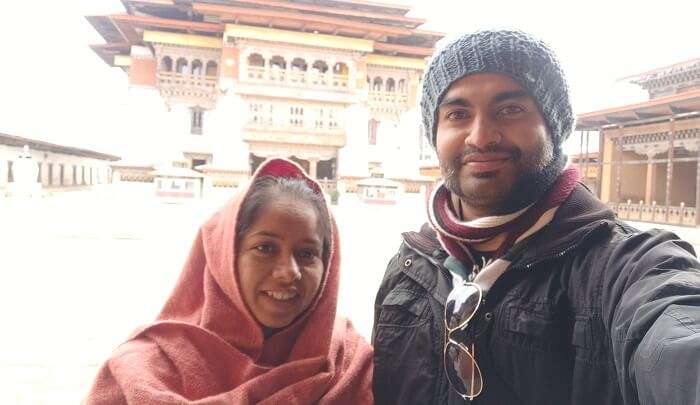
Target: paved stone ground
81,270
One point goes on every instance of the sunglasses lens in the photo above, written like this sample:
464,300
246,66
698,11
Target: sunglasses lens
461,305
462,371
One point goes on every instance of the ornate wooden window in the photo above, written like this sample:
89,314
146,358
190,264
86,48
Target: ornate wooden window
197,116
372,131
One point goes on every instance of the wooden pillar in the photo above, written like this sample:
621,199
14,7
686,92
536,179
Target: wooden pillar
329,74
601,157
312,167
697,191
580,157
585,161
650,189
4,168
669,165
618,167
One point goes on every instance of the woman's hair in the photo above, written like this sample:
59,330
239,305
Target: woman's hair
267,188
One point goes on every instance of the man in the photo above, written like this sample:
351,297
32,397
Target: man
550,298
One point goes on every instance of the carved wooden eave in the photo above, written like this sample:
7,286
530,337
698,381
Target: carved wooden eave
658,109
676,73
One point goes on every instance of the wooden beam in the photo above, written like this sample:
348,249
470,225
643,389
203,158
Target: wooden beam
617,120
591,124
679,110
127,31
656,102
645,116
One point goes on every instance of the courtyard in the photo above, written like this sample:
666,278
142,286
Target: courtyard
81,270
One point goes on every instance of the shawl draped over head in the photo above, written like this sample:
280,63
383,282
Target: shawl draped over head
207,348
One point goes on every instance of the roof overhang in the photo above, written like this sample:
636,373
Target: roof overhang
301,38
658,109
34,144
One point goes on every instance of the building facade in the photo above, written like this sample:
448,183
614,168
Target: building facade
58,167
647,165
330,84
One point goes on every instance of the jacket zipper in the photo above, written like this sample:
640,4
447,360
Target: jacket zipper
561,253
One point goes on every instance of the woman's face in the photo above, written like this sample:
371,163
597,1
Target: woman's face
279,261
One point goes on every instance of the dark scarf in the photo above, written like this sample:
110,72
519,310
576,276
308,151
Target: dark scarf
456,236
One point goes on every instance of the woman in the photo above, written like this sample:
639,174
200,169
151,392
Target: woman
252,317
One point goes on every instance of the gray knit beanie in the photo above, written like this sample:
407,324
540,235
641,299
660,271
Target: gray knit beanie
530,62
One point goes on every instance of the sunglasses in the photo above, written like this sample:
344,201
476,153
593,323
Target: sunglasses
461,368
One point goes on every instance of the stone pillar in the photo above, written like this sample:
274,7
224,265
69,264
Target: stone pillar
669,165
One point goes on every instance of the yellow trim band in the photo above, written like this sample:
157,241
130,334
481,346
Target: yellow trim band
397,61
300,38
122,60
171,38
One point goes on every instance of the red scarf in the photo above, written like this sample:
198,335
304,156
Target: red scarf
207,348
456,236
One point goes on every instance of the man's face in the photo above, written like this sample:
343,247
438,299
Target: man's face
491,141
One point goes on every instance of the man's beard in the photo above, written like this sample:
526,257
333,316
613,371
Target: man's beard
532,181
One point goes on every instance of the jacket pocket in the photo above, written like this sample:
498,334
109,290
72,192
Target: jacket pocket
403,307
539,330
532,345
405,356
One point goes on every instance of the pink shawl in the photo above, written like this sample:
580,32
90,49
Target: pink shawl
206,348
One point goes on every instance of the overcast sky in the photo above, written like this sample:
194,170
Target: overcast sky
53,87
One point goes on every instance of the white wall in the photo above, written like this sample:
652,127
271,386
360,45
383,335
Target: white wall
353,157
223,127
101,170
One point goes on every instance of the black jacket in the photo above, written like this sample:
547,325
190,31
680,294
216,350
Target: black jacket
591,311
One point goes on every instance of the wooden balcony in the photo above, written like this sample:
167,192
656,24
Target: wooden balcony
387,98
296,78
187,88
674,215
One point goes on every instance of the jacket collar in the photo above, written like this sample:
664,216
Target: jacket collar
579,215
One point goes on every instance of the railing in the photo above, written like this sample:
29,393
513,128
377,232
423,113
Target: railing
259,74
387,97
676,215
328,186
297,124
340,81
187,85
